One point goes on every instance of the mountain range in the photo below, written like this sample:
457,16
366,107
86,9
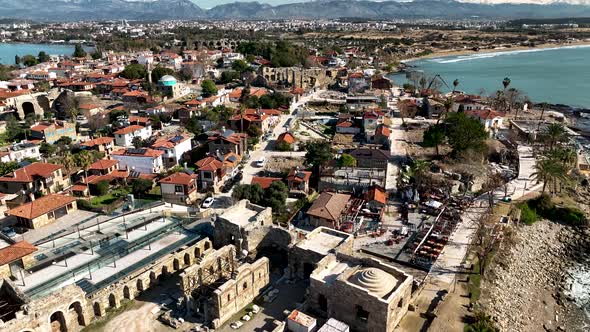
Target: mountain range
75,10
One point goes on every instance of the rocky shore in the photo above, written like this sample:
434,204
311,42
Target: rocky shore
528,287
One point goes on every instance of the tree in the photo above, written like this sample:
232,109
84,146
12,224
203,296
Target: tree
194,127
229,76
17,60
137,142
555,133
318,153
96,55
455,85
506,82
29,60
254,131
276,197
434,136
13,128
134,71
68,162
43,57
79,51
346,160
209,88
240,66
141,186
83,160
102,187
8,167
465,133
546,170
114,115
160,72
47,150
481,323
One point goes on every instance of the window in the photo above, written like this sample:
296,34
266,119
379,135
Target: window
178,189
361,314
245,286
400,303
228,297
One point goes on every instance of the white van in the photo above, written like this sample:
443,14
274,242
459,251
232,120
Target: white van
260,162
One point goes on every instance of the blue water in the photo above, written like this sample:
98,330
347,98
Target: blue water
554,75
8,51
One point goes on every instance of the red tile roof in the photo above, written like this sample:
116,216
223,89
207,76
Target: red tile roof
27,173
485,114
104,164
286,137
299,176
129,130
378,194
264,182
41,206
16,251
329,206
209,164
180,178
147,153
98,141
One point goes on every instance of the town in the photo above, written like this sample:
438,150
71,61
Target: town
279,185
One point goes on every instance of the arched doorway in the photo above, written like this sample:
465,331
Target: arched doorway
176,264
197,252
153,278
112,301
164,272
58,322
76,308
28,108
97,309
140,285
126,293
187,259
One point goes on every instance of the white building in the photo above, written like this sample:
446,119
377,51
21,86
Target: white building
125,136
174,147
140,160
19,151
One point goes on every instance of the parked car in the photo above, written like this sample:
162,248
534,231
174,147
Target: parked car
260,162
236,325
228,185
208,202
239,176
421,118
246,318
9,231
255,309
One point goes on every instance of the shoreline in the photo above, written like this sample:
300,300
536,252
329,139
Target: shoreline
450,53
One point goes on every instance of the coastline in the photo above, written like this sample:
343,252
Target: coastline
449,53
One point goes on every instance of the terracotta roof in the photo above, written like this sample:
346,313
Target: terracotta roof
383,130
329,206
98,141
41,206
129,130
16,251
89,106
286,137
104,164
27,173
345,124
170,141
146,152
485,114
209,164
264,182
181,178
298,176
370,154
79,187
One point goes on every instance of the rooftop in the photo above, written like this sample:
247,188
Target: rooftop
41,206
324,240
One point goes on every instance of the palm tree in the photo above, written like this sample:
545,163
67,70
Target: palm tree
506,83
543,107
84,160
448,104
546,170
68,162
455,85
555,133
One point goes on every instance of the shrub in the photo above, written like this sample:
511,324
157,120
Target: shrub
527,215
102,187
84,204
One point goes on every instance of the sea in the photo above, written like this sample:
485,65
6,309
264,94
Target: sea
559,75
9,50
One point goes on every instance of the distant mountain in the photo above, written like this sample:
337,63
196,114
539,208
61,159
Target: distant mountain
71,10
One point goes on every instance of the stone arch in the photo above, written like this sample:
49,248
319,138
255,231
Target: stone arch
97,309
76,307
26,330
112,301
57,320
175,264
207,245
139,285
44,102
127,292
165,272
28,108
187,259
197,252
153,278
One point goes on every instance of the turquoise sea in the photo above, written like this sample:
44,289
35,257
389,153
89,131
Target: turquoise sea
555,75
8,51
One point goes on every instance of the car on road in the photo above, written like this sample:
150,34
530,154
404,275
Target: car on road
9,231
255,309
260,162
208,202
236,325
246,318
421,118
239,176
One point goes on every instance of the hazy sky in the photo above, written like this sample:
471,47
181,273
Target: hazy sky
213,3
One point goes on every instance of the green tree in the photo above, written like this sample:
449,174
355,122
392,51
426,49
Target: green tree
8,167
83,159
318,153
434,136
194,127
141,187
137,142
275,197
116,114
43,57
17,60
102,187
482,323
346,160
209,88
283,146
29,60
134,71
254,131
47,150
465,133
229,76
79,51
160,72
555,133
96,55
240,66
13,128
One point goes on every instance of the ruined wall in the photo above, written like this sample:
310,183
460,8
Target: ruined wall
300,77
237,293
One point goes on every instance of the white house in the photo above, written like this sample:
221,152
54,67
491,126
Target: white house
492,120
125,136
19,151
174,148
140,160
146,58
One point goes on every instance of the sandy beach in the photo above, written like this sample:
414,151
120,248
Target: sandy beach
445,53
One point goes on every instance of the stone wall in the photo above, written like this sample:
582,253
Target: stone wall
300,77
71,308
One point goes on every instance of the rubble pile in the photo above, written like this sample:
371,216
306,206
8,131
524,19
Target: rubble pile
526,288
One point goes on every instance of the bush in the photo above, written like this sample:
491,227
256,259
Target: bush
544,207
527,215
84,204
102,187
